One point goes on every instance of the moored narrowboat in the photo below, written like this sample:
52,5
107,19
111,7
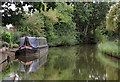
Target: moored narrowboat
31,48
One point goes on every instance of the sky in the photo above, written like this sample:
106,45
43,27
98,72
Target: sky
13,7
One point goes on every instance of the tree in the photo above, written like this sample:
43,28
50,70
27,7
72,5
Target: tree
88,16
60,29
113,18
33,25
11,16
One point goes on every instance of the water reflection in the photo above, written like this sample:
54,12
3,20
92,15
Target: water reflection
32,65
87,66
111,66
67,63
77,63
27,64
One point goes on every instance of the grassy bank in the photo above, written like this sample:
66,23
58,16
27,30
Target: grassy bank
7,71
110,48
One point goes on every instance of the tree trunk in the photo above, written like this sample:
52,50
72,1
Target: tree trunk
85,30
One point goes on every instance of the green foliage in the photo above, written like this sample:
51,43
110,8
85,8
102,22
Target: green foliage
8,70
56,25
63,23
16,36
66,34
88,16
9,16
64,29
113,17
15,45
33,25
100,33
50,20
99,36
109,47
2,29
7,36
50,15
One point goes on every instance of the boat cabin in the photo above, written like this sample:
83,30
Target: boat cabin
41,41
34,42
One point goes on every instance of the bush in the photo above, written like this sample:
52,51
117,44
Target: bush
16,37
7,36
99,36
15,45
32,25
2,29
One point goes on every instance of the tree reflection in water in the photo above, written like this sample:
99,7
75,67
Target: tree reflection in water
72,63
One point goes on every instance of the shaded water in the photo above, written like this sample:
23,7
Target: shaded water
82,62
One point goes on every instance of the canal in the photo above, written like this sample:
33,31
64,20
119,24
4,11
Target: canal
83,62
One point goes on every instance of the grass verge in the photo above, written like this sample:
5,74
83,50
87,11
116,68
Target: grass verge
110,48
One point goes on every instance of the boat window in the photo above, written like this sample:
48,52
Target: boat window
41,42
38,40
44,42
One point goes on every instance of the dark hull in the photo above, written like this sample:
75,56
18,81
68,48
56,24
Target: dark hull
27,55
27,52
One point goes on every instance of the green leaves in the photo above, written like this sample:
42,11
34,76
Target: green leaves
7,36
89,16
33,24
112,19
51,15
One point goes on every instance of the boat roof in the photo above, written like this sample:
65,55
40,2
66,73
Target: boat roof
27,36
32,41
34,37
40,37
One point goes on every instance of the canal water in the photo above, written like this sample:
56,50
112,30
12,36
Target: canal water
83,62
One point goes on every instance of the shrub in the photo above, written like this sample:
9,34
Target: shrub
99,36
16,37
7,36
15,45
2,29
32,25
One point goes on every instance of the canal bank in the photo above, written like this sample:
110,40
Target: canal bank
110,48
6,56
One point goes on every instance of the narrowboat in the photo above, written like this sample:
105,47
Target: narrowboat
31,48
